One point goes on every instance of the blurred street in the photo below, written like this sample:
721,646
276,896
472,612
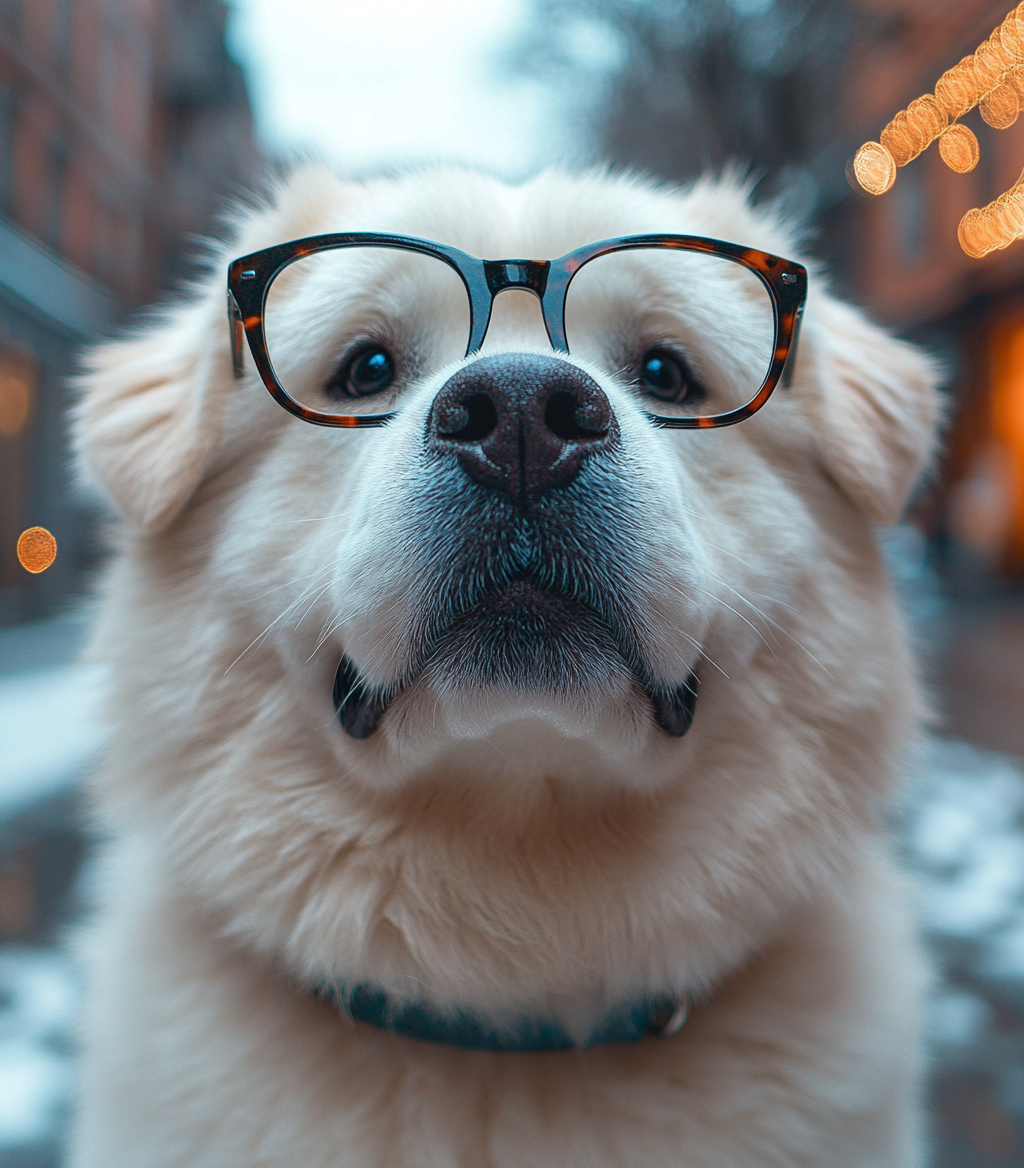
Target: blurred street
127,129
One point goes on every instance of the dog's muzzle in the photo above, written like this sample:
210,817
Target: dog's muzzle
524,426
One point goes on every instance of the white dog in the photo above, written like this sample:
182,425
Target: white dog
366,939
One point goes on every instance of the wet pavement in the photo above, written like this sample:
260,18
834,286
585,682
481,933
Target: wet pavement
975,913
981,673
963,836
961,827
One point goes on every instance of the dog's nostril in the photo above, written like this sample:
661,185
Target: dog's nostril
565,417
472,419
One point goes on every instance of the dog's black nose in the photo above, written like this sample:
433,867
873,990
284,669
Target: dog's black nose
521,422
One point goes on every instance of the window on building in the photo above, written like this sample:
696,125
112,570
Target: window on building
58,160
986,506
8,116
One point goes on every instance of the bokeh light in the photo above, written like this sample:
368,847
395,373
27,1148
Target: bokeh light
37,549
957,88
992,77
875,168
17,385
1001,107
959,149
987,229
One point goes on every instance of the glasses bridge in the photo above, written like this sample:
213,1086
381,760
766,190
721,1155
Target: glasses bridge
531,275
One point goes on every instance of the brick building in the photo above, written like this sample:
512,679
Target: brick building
123,123
910,270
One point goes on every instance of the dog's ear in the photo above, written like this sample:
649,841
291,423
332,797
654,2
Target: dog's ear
147,420
873,405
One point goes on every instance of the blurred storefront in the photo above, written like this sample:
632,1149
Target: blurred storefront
123,126
910,270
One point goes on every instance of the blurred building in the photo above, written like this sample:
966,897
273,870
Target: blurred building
789,89
123,125
911,272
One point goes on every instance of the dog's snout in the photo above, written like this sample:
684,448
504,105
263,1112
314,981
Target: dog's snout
522,423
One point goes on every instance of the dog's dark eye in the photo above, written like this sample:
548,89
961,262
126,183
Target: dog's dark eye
368,370
666,376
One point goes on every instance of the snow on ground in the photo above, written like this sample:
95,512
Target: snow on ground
49,731
39,997
964,834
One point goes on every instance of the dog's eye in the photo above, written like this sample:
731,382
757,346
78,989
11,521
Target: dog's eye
666,376
368,370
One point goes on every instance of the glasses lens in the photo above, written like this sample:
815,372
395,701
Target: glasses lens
349,330
694,334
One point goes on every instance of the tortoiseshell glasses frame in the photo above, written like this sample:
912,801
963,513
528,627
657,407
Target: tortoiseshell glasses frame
250,278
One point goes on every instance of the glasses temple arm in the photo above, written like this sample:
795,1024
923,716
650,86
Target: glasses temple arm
237,330
788,372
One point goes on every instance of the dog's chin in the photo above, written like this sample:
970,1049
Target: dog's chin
526,639
526,655
522,655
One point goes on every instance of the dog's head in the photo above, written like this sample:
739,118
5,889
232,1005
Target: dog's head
540,578
516,585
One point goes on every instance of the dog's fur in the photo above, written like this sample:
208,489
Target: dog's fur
500,843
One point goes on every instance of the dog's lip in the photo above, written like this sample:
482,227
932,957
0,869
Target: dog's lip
361,707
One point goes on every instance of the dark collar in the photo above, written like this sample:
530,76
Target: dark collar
628,1021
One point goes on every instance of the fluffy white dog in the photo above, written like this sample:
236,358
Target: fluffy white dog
460,919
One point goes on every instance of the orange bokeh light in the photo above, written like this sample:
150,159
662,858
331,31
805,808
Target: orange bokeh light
1001,107
37,549
874,168
959,149
17,388
992,77
1008,429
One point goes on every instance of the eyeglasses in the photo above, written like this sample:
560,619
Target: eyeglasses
337,323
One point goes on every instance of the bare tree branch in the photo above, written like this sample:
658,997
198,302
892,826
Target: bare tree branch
676,86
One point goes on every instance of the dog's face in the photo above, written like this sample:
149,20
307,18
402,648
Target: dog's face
523,593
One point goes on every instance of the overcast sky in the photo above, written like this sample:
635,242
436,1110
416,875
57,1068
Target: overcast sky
371,82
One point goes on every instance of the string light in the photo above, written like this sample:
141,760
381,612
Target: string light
996,226
992,78
959,148
1001,107
956,89
874,168
37,549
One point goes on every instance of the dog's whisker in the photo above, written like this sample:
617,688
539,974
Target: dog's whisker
288,584
490,742
280,617
318,518
769,625
704,655
746,620
780,628
257,639
313,601
746,564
